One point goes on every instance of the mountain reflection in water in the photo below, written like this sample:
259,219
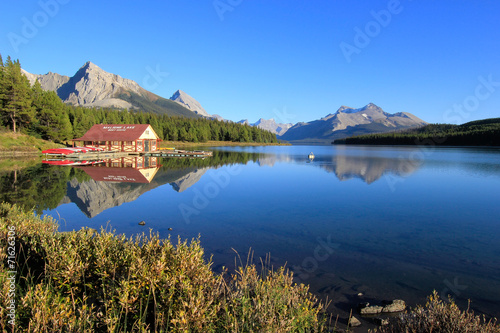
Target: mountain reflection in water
98,187
369,169
399,226
116,181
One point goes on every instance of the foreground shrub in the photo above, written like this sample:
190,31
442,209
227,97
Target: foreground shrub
89,281
441,317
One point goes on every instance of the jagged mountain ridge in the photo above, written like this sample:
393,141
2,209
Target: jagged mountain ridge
348,121
268,125
92,86
189,102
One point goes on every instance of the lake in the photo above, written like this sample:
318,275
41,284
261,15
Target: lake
387,222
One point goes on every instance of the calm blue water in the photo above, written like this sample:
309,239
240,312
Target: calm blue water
387,222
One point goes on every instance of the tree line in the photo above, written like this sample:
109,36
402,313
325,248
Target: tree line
31,110
484,132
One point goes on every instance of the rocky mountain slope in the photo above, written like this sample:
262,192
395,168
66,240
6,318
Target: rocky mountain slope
189,102
269,125
348,121
92,86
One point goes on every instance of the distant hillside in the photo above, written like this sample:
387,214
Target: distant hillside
93,87
348,122
484,132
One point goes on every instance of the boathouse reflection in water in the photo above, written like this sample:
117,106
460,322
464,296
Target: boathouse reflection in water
131,169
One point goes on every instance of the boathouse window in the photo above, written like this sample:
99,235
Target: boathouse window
139,143
102,143
129,143
87,143
147,131
116,143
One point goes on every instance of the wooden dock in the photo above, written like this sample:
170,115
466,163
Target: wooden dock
101,155
180,153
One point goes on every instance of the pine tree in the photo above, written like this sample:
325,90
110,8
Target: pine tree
3,84
183,134
16,105
52,119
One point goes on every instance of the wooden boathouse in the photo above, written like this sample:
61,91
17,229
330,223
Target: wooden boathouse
134,138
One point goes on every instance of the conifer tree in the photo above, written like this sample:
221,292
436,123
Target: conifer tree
16,105
51,115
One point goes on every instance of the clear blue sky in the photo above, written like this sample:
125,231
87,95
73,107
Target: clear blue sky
289,60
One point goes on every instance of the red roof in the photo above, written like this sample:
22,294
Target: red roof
113,174
115,132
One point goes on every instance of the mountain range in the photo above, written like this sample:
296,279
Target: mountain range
347,122
93,87
269,125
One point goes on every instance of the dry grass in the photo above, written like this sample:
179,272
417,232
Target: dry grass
439,316
89,281
18,143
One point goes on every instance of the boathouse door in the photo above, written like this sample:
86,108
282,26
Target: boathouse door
146,145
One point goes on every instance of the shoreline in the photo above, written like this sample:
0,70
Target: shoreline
17,153
163,144
176,144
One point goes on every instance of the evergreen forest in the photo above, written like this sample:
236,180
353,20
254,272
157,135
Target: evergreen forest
484,132
31,110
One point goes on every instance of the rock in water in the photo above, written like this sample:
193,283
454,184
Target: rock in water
397,305
382,321
142,223
354,322
370,310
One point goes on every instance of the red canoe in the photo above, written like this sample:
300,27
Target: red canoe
71,150
70,163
